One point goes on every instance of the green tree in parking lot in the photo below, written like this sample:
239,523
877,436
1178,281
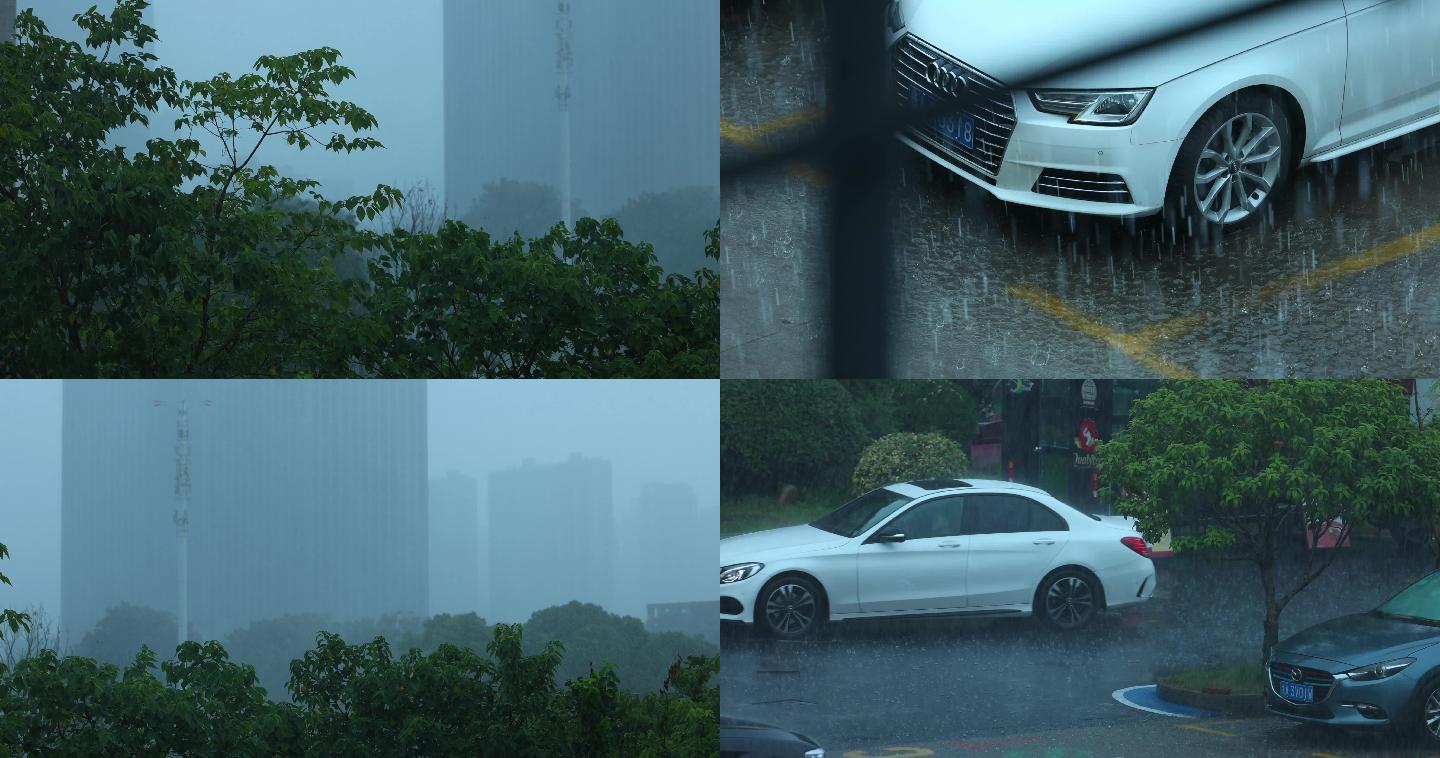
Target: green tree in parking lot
1243,469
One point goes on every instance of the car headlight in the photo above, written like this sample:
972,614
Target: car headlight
739,572
818,752
1377,670
1099,108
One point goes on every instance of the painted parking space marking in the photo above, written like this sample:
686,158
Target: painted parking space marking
1140,345
1132,346
1142,697
893,752
1205,729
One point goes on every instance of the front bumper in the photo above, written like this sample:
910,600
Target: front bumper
1343,702
1043,141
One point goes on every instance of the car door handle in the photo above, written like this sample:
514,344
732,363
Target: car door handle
1045,542
950,544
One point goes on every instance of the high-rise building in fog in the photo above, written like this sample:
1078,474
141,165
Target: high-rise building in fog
7,19
654,559
455,557
551,536
305,497
644,112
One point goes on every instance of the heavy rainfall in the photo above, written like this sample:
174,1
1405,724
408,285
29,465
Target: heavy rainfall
260,513
1333,281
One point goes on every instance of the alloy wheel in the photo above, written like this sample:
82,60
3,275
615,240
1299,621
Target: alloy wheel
790,609
1238,168
1432,713
1069,602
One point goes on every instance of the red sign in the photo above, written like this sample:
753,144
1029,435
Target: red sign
1089,437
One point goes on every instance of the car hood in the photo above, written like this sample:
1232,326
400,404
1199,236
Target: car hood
1015,41
778,543
1360,639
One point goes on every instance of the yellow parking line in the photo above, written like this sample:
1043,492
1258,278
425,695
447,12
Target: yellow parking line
1207,730
753,137
1135,348
1326,755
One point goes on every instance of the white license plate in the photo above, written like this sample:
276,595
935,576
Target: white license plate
1300,693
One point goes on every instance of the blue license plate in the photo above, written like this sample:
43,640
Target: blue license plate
954,126
1299,693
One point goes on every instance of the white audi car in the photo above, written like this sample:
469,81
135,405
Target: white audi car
969,547
1210,123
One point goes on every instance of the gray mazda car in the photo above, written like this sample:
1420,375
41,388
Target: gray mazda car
1376,669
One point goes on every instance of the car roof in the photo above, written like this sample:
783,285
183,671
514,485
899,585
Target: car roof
922,487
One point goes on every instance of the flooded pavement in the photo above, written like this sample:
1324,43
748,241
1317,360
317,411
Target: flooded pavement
944,684
1339,281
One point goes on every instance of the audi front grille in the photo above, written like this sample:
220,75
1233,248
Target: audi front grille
986,100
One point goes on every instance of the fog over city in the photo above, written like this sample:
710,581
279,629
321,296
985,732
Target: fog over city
346,502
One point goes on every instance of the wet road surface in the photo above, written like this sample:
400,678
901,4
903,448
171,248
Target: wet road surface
1340,281
933,683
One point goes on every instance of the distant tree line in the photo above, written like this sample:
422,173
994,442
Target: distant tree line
812,433
194,260
591,635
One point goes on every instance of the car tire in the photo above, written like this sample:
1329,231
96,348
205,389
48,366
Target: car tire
1429,689
790,608
1195,201
1068,600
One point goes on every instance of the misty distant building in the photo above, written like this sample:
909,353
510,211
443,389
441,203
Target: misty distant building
7,20
455,558
658,557
550,533
644,104
696,618
306,497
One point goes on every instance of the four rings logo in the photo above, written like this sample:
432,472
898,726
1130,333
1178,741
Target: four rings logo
945,79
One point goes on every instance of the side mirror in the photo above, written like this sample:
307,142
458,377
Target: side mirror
889,534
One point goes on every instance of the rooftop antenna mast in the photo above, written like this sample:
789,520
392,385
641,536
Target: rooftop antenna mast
564,64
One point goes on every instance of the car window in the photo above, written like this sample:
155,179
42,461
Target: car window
1007,514
934,518
1420,600
858,515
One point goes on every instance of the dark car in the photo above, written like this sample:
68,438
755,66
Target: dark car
750,739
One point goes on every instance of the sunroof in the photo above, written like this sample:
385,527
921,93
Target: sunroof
939,484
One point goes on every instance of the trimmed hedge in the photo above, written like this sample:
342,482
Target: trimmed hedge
772,433
905,456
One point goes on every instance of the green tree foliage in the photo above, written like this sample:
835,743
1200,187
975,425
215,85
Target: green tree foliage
15,621
1244,469
183,261
916,405
904,456
126,628
787,432
355,700
593,636
587,304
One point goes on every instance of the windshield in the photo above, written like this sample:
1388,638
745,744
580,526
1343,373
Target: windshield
858,515
1420,601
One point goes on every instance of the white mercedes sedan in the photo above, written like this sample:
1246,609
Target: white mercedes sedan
968,547
1208,125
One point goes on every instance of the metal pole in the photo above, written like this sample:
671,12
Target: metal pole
563,66
858,157
182,514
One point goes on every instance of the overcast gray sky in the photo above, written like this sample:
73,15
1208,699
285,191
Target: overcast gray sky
652,431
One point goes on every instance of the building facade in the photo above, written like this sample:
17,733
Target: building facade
645,116
551,533
306,497
455,555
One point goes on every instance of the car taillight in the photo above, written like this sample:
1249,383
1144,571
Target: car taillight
1137,544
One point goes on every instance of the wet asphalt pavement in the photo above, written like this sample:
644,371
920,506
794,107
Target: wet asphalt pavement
1331,285
1008,687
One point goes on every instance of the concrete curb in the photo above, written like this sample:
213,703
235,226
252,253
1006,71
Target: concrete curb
1230,705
